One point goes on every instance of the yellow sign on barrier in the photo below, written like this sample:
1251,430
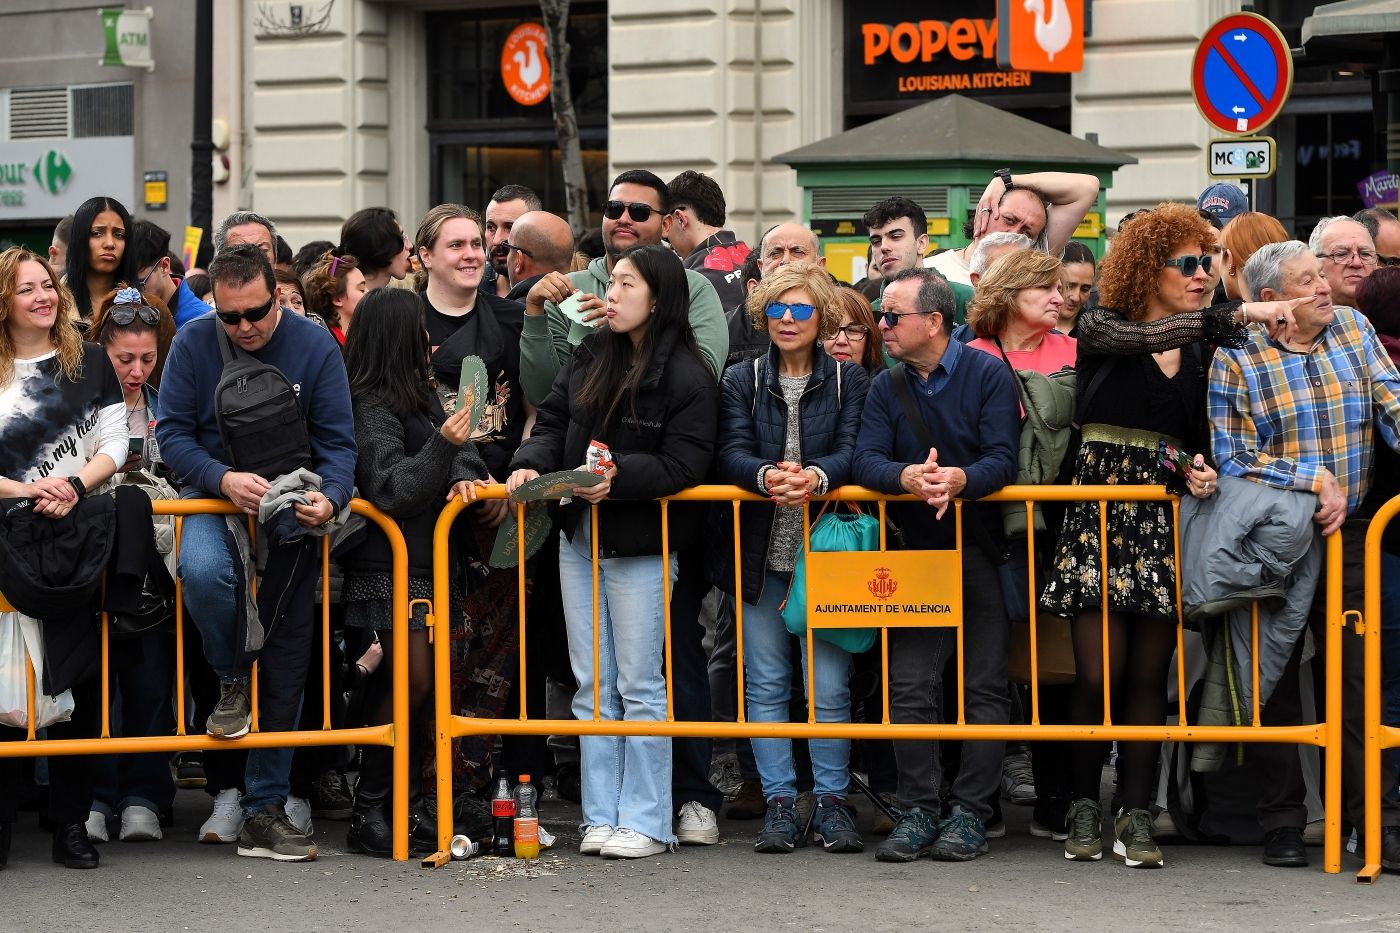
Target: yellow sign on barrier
863,589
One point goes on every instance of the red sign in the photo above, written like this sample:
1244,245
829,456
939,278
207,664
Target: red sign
1041,35
524,65
1241,74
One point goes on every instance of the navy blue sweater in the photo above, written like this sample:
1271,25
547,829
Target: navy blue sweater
974,421
188,432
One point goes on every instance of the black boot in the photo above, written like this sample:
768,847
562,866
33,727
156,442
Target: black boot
72,848
370,832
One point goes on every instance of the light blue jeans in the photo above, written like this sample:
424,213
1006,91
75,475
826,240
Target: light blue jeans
626,781
768,687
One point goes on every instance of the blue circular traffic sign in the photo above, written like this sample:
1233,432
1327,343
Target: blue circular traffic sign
1242,73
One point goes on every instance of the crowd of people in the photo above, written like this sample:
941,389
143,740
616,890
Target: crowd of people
1249,373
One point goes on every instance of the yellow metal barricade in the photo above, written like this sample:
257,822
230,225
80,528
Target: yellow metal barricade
1379,736
394,734
1325,735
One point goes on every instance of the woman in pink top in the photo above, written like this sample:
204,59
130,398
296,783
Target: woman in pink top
1017,306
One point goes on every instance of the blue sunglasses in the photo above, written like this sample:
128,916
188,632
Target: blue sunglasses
799,312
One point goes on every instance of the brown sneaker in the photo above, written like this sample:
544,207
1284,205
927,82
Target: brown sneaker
749,805
883,825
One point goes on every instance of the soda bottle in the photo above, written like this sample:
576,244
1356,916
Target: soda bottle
527,819
503,815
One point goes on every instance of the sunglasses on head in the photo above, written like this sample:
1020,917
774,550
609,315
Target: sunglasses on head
1189,264
638,211
799,312
252,315
122,315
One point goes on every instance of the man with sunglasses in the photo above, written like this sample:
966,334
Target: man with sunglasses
962,446
697,219
507,205
150,250
539,243
1348,256
191,444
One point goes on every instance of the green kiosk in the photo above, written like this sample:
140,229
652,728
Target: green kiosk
941,155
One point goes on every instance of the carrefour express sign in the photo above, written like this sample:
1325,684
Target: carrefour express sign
48,178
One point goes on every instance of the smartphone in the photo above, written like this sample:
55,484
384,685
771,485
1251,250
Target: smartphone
570,309
136,445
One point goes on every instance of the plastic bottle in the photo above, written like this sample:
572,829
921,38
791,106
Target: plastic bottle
503,815
527,819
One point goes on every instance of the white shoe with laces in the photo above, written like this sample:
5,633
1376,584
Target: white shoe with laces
696,825
140,824
628,843
96,826
298,810
594,839
226,822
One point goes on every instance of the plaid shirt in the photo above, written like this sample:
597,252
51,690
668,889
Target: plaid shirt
1281,417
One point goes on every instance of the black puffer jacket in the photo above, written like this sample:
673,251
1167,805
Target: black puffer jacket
663,446
753,432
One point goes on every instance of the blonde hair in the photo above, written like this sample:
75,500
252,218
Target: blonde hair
812,279
995,302
63,334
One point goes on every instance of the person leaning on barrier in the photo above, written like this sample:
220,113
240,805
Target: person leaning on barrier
412,457
62,437
968,406
1140,399
1295,411
213,572
788,425
642,387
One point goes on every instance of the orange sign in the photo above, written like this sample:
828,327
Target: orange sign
1041,35
871,589
524,65
963,39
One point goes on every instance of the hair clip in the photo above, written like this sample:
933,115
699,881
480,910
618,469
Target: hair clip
128,296
335,264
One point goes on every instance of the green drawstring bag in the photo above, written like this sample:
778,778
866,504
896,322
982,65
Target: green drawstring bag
836,531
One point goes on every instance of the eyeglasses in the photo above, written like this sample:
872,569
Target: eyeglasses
122,315
1189,264
519,249
854,333
141,282
637,210
1341,256
891,318
252,315
799,312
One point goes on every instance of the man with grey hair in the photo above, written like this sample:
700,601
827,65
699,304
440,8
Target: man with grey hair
247,227
1348,255
1295,411
992,247
1385,233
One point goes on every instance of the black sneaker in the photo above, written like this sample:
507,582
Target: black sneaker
330,799
1283,847
234,714
913,836
780,827
270,834
188,768
834,828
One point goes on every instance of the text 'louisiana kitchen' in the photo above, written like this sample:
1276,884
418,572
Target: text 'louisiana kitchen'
906,608
910,84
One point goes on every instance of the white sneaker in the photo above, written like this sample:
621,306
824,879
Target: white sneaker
628,843
696,826
595,839
298,811
96,826
226,822
140,824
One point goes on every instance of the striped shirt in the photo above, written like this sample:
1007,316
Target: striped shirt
1281,417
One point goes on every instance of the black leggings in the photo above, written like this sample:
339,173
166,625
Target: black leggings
1140,652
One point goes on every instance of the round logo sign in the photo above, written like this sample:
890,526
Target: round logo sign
524,66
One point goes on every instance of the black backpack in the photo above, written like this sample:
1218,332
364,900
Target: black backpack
259,418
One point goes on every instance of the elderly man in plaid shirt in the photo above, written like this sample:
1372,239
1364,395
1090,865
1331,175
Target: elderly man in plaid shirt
1298,413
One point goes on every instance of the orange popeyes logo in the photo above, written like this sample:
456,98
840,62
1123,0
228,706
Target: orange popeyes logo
524,66
1046,35
963,39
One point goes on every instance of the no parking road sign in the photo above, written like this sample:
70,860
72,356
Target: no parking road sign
1241,74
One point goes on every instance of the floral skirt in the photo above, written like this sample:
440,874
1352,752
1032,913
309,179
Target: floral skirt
1141,541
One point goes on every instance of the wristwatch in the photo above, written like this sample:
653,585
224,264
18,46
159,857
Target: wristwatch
78,486
1005,175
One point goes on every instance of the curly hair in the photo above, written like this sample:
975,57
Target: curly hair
324,283
64,334
104,331
994,304
1129,273
804,275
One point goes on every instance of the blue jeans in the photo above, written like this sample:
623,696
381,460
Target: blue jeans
768,687
626,781
1390,649
206,574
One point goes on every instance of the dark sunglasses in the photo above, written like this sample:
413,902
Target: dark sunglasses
638,211
799,312
122,315
1189,264
891,318
519,249
252,315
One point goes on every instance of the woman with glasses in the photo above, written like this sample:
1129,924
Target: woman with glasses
1141,401
62,434
333,287
857,338
639,385
97,256
375,238
788,426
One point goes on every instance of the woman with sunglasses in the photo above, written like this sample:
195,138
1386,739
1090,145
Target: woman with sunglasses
97,256
62,435
1141,401
641,386
857,338
136,331
788,426
333,288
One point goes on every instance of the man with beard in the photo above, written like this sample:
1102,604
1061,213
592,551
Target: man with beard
505,208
